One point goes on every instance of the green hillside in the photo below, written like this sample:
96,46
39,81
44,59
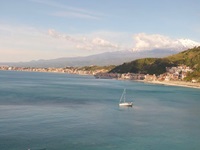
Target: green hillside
94,68
190,57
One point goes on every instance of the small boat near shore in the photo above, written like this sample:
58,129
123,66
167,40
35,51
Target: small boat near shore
123,102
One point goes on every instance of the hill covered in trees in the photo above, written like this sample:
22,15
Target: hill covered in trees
190,57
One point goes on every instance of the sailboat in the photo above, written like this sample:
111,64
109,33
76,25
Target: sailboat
123,102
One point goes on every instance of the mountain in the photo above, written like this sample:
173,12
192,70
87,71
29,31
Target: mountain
108,58
190,57
187,43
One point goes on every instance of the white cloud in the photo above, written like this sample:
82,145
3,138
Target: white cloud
103,43
86,42
57,35
97,44
145,41
152,41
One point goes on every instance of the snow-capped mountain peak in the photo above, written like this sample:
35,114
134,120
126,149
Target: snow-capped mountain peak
187,43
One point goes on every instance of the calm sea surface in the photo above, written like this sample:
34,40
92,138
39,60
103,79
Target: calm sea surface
62,112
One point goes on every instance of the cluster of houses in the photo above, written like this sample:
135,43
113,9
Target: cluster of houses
172,73
119,76
175,73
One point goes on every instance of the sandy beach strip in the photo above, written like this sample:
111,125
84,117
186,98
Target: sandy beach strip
174,83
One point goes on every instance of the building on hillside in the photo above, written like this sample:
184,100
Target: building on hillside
148,77
175,73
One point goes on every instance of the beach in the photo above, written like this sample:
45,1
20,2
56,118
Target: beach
175,83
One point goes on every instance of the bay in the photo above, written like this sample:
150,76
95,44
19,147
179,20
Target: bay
60,111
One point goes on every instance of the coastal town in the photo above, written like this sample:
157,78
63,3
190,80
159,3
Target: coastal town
172,73
68,70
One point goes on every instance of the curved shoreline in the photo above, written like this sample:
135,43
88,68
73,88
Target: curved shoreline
174,83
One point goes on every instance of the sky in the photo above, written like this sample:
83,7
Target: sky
48,29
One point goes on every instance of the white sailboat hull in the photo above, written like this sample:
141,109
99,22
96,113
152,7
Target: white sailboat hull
128,104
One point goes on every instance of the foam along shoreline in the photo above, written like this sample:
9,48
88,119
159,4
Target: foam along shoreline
175,83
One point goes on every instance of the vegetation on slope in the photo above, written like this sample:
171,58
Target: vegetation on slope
146,66
190,57
94,68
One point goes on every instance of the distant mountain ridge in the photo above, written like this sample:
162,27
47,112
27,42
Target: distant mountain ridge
107,58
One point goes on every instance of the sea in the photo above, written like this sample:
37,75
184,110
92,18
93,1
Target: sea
52,111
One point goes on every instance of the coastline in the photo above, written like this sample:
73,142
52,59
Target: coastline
168,83
174,83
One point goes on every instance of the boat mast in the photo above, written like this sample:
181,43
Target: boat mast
124,95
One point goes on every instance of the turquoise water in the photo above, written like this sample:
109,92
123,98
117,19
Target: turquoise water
62,112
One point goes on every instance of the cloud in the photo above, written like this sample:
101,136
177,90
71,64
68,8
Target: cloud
103,43
145,41
67,11
54,34
86,42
